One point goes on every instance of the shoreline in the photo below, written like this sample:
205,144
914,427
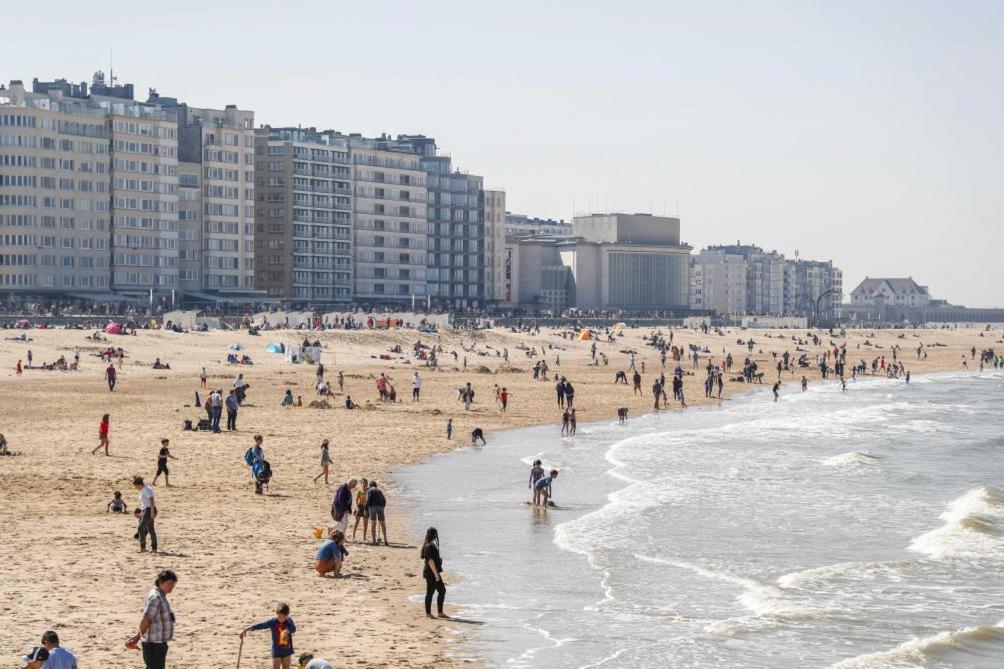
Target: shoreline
212,523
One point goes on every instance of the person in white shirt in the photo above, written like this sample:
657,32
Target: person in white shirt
59,658
416,387
308,661
148,511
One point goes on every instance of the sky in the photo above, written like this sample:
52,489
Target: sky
867,133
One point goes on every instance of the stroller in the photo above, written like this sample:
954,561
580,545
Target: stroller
262,472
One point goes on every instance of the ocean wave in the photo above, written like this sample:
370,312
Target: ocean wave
973,527
919,651
763,599
815,575
851,458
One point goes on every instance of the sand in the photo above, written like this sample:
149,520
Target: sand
66,564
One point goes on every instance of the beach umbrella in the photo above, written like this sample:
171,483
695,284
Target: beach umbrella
585,335
113,328
273,348
619,326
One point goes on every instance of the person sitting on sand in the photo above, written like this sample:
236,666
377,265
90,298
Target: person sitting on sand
117,505
349,404
331,554
287,399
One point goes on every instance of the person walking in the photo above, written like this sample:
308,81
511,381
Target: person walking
202,378
232,404
432,571
148,511
376,502
156,626
341,382
165,453
449,429
102,435
110,377
325,462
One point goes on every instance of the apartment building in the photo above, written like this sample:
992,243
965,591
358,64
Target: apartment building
718,282
221,143
517,225
809,284
493,206
54,194
144,197
303,215
189,227
389,221
764,278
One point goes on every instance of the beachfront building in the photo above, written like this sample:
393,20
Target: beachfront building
764,277
144,196
622,261
55,183
219,143
809,284
303,215
389,221
890,292
718,282
455,258
493,206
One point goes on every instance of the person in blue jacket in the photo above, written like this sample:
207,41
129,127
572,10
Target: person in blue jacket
282,628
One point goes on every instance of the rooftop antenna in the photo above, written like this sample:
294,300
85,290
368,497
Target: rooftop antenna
111,67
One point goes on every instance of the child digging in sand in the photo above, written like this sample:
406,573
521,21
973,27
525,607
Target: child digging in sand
331,554
282,628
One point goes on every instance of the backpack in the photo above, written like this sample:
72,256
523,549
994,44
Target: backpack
249,457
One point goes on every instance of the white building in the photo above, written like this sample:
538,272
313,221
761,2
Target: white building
890,292
718,282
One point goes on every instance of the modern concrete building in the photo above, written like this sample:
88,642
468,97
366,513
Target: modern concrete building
621,261
890,292
493,206
389,219
303,215
55,223
718,282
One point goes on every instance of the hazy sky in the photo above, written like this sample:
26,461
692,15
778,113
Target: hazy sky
869,133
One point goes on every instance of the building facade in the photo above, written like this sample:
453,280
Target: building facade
718,282
55,185
890,292
303,215
517,225
764,278
812,288
493,206
389,222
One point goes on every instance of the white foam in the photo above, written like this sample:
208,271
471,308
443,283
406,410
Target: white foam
851,458
972,527
921,650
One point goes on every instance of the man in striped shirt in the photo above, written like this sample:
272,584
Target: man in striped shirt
156,627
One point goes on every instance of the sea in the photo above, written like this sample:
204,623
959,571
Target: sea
830,529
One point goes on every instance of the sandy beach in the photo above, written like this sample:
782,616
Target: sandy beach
67,565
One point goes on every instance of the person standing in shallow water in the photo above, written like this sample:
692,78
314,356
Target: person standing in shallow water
432,571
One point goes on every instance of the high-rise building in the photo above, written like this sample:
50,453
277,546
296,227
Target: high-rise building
144,198
221,144
389,219
55,223
493,205
455,274
303,215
